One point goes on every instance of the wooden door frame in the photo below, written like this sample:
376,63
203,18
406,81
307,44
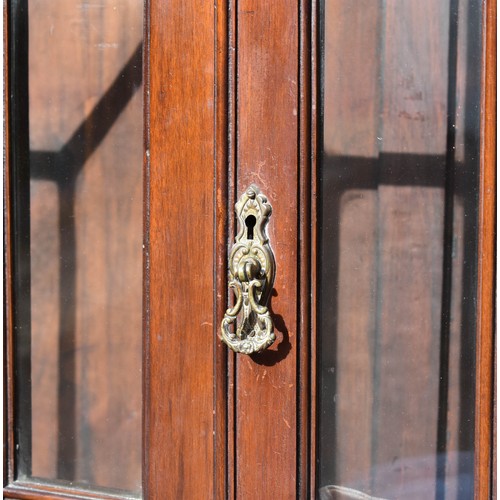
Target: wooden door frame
485,422
219,173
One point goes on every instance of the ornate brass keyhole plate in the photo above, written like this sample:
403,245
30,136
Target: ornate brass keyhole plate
251,275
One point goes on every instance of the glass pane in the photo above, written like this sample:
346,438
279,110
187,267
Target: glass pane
399,172
79,345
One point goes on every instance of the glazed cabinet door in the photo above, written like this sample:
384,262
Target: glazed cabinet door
249,249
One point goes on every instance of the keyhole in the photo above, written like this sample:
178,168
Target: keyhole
250,222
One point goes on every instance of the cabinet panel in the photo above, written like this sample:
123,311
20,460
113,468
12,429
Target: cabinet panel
267,111
179,263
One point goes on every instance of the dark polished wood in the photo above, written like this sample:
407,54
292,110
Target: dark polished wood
223,214
180,346
232,196
485,340
267,128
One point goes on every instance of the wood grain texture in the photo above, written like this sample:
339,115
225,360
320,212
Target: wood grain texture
180,260
486,254
222,216
218,425
232,435
267,129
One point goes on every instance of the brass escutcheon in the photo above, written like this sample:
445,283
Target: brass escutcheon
251,275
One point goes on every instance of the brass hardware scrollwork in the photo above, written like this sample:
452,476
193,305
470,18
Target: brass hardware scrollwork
251,275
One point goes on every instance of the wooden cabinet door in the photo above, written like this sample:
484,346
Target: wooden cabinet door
227,108
348,117
243,95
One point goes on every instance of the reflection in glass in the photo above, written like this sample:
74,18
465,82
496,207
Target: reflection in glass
80,420
398,248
